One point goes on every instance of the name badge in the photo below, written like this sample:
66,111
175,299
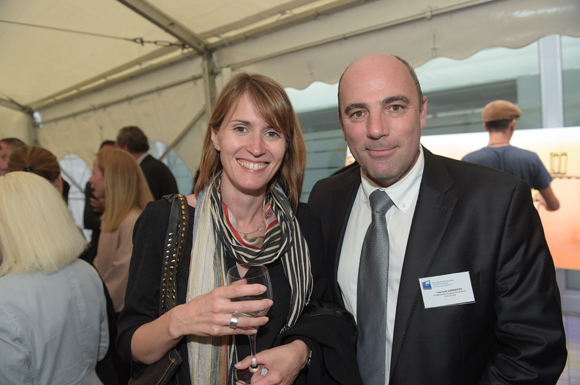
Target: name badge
446,290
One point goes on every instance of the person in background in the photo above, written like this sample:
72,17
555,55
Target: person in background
499,119
53,318
7,145
159,177
117,178
94,208
39,161
443,263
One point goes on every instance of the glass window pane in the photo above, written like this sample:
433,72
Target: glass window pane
571,79
175,164
457,90
76,172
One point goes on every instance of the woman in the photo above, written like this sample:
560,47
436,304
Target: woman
53,319
118,178
39,161
252,167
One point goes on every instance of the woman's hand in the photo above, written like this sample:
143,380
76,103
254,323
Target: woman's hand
283,363
210,314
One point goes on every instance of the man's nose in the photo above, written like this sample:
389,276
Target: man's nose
377,125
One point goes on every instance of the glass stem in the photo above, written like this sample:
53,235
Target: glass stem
254,364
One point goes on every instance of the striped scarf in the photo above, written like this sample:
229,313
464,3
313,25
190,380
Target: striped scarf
211,359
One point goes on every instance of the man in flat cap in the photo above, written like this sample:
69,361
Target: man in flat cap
499,119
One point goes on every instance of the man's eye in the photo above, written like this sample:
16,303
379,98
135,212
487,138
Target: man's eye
357,114
396,108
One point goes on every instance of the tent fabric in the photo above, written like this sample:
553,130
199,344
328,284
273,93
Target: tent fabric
409,28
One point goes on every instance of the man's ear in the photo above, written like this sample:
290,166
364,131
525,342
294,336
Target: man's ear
485,127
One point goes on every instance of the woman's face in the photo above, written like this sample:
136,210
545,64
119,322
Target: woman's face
97,181
251,151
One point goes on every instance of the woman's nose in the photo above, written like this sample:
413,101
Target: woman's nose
256,145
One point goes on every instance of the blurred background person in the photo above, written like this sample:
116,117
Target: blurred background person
7,145
94,208
499,119
39,161
117,178
159,177
53,320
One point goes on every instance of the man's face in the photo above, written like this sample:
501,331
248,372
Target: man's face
381,117
5,152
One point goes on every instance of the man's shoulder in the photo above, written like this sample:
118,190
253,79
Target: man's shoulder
473,174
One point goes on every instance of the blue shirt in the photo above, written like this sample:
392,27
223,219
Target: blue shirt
524,164
53,328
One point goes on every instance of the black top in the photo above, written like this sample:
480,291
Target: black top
142,298
159,178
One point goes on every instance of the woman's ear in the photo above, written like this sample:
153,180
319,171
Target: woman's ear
215,139
58,183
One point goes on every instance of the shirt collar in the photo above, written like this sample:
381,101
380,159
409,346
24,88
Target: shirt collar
402,192
142,157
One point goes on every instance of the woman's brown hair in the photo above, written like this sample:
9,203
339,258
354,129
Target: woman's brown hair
35,159
125,186
272,102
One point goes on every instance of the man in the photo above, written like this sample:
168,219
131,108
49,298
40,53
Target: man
472,295
499,119
159,177
7,145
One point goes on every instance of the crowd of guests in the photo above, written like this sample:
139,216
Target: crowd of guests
352,271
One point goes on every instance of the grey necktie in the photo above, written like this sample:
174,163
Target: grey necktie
372,293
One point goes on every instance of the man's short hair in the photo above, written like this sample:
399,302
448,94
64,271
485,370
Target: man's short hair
498,125
13,143
107,143
132,137
411,71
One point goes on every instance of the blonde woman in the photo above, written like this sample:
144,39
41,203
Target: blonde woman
118,178
53,318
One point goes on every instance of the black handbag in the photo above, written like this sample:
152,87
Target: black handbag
163,371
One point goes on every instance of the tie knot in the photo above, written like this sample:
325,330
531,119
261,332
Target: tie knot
380,202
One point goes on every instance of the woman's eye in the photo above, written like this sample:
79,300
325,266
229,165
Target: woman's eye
240,128
272,134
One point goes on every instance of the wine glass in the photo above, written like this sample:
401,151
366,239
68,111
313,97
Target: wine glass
253,275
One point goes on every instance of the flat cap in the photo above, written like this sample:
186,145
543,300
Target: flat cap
500,110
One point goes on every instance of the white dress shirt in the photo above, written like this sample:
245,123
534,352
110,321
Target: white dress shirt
404,195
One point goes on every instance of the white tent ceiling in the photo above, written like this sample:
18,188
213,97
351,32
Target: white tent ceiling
76,62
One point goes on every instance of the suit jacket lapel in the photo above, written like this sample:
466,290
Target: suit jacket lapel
432,213
342,201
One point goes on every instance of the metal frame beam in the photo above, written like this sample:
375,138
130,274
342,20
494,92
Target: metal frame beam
14,106
166,23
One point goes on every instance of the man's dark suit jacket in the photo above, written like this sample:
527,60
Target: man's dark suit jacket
159,177
468,218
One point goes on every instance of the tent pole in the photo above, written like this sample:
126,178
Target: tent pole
208,68
180,136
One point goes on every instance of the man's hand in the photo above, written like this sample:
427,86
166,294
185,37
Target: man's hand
98,205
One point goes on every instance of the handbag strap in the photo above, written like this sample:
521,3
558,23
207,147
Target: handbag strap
174,246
